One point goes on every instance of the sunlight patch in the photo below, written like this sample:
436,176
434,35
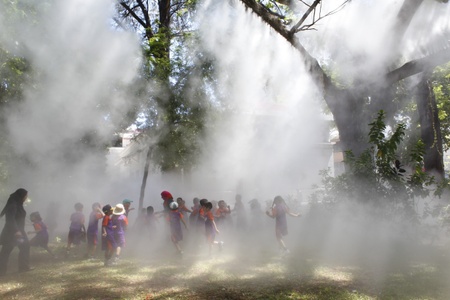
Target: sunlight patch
11,286
271,268
208,266
332,274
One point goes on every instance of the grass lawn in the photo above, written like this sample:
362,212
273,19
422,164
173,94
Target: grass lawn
222,276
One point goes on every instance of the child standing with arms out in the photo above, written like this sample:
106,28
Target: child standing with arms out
175,219
279,212
120,224
76,229
108,241
92,230
150,220
40,229
210,227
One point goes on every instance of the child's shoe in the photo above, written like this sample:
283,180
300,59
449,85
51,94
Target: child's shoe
286,252
115,260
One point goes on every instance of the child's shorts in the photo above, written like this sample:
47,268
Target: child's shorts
38,242
76,237
92,238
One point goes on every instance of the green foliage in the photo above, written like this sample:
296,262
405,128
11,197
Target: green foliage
174,109
377,177
158,55
14,74
441,88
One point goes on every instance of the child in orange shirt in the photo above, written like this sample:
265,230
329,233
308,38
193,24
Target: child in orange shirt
108,241
222,212
182,206
40,229
175,219
210,227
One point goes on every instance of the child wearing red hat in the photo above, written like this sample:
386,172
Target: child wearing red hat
167,198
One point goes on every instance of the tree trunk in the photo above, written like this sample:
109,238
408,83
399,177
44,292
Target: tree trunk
430,128
144,178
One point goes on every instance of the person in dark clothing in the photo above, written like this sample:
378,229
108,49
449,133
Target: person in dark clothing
13,233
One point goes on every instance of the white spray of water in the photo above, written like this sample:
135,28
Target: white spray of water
269,145
262,154
270,142
80,64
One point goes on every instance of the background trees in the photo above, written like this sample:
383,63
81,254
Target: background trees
172,97
353,105
174,102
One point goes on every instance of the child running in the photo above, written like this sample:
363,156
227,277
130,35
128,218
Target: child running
278,212
108,241
76,229
182,207
210,227
40,229
222,212
92,230
120,223
175,219
201,212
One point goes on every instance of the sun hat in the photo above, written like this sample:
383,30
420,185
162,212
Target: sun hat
173,205
119,209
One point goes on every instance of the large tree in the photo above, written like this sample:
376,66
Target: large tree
173,107
349,105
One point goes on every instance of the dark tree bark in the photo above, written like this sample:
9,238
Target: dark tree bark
429,128
144,178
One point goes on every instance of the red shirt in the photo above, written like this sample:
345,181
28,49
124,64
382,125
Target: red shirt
209,215
105,220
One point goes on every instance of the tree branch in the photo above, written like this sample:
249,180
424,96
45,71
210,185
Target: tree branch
418,65
311,64
148,29
146,16
305,15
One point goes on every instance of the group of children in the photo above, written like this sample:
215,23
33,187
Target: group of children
203,215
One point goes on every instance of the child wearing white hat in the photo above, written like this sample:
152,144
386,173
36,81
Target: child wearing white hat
120,224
